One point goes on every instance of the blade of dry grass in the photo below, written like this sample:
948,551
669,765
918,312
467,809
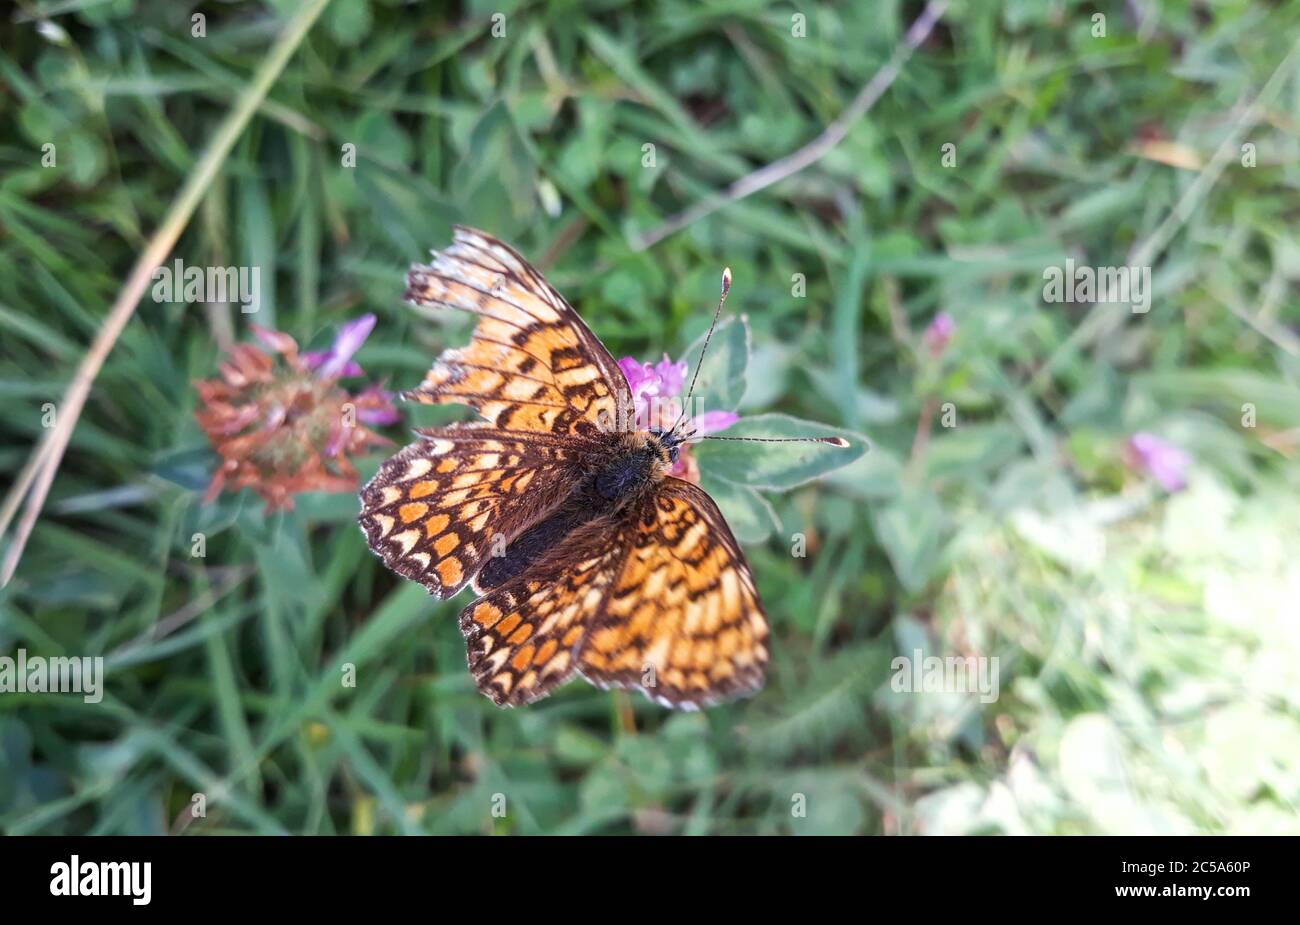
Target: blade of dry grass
49,452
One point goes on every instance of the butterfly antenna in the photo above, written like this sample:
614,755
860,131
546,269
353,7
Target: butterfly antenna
726,287
833,441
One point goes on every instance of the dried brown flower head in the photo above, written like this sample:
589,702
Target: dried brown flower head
281,422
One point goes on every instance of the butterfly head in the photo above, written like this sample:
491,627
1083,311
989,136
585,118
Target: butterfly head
667,442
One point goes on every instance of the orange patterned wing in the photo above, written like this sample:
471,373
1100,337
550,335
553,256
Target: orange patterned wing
660,600
522,638
437,510
532,363
682,622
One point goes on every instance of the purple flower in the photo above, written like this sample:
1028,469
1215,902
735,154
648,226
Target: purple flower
938,333
375,407
657,400
642,380
672,376
655,389
1160,459
337,362
710,422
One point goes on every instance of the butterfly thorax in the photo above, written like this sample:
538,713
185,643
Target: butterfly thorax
636,463
631,468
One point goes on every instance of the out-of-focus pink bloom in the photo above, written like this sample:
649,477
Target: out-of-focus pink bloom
672,376
1160,459
337,362
938,333
277,341
710,422
642,380
280,421
375,407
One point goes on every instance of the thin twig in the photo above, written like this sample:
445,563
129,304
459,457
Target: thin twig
921,440
1101,319
178,215
563,241
816,149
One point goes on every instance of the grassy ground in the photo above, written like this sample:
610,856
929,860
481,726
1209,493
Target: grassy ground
1148,644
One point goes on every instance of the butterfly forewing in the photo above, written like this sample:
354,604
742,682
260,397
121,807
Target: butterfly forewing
441,507
532,363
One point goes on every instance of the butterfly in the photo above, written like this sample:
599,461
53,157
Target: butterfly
587,557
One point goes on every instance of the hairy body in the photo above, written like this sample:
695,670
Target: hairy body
635,464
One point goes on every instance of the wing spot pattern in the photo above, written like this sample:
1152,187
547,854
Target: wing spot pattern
436,524
416,468
445,544
450,571
413,511
407,539
523,657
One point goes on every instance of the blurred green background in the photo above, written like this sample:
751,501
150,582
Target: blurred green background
1149,643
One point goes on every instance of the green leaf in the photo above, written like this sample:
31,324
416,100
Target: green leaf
910,530
413,218
86,158
721,385
349,21
833,808
778,466
972,451
1276,401
493,181
378,137
748,513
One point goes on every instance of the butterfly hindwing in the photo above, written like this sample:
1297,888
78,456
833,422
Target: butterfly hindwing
437,510
659,599
532,363
522,638
682,621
